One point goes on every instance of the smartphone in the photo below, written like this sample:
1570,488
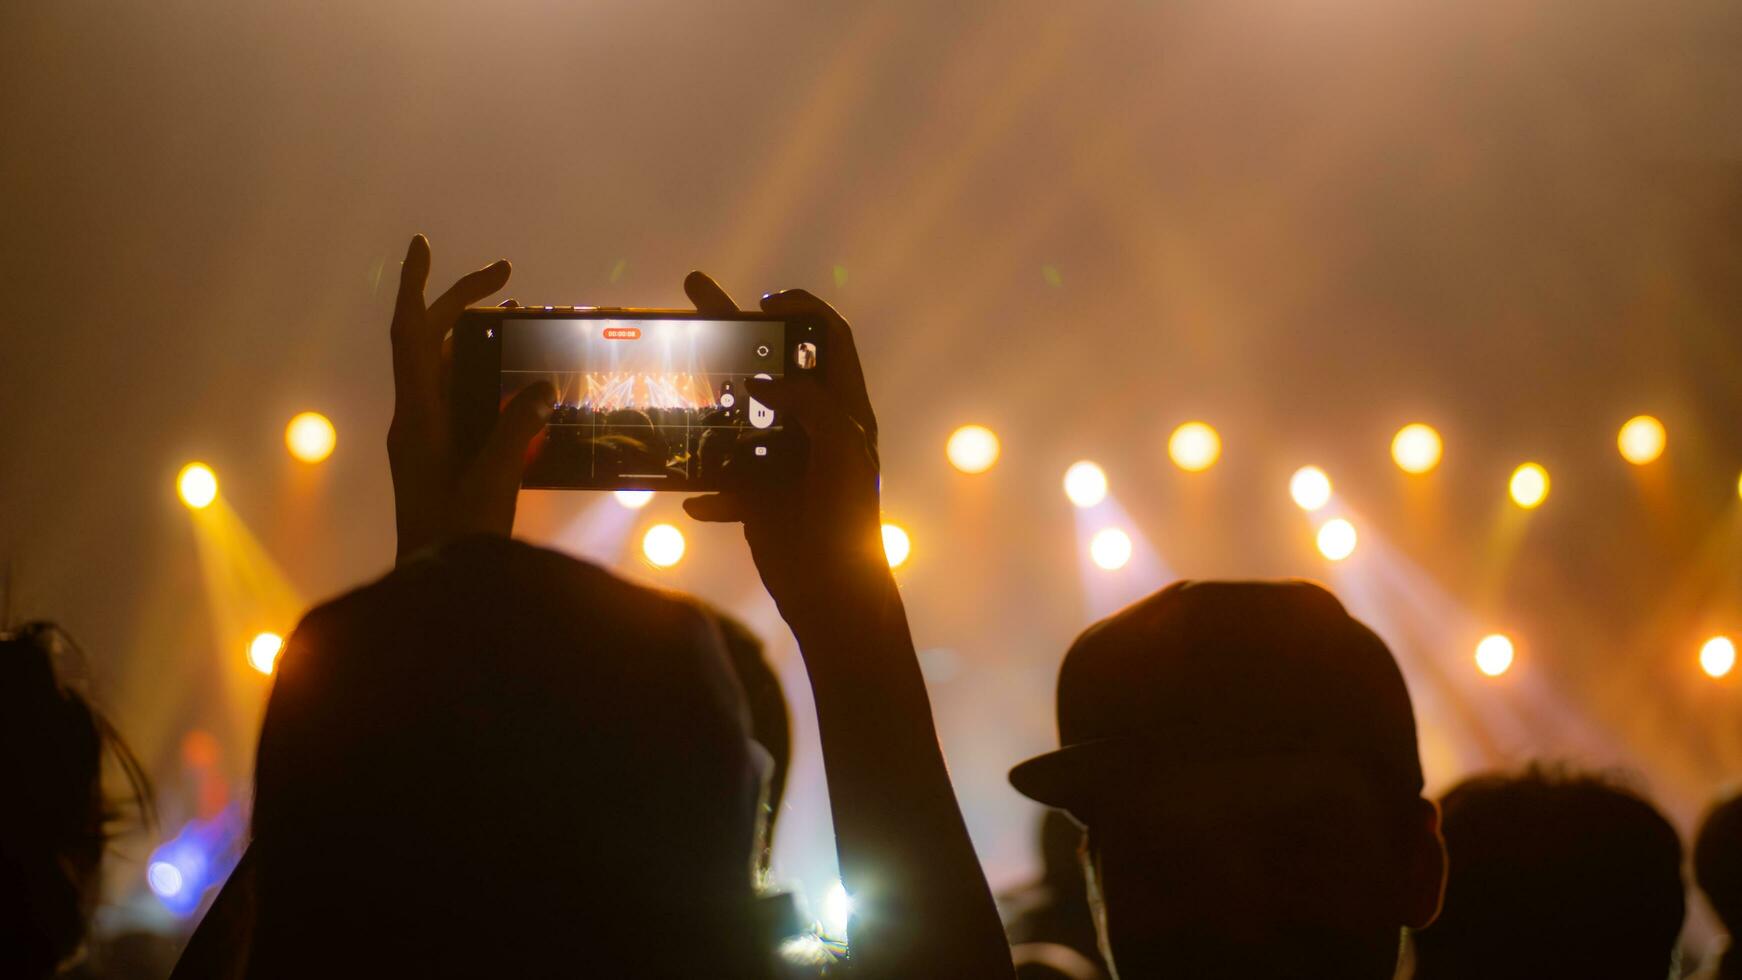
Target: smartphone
645,399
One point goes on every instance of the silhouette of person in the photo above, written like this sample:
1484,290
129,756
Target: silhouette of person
55,820
1718,871
1554,873
500,761
1048,920
1243,757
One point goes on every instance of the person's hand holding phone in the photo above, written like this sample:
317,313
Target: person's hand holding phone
437,494
812,539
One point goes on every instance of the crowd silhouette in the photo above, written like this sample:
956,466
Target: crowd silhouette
500,761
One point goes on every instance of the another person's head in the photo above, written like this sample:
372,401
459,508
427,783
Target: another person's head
54,817
1554,874
1243,756
770,724
501,761
1718,864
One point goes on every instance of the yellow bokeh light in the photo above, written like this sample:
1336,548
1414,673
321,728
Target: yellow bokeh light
1494,654
1529,486
1085,484
1718,656
1310,488
896,545
263,651
1194,447
663,545
1337,539
1416,448
1642,439
972,449
1110,549
198,485
310,437
633,499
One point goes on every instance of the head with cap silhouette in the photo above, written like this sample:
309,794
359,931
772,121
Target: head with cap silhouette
1243,757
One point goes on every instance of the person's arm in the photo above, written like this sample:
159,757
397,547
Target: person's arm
921,906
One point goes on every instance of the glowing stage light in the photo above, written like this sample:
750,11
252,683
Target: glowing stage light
1310,488
1085,484
1718,656
972,449
310,437
1739,486
198,485
633,499
1529,486
663,545
1110,549
1416,448
1642,439
837,912
896,545
1194,447
263,651
164,878
1337,539
1494,654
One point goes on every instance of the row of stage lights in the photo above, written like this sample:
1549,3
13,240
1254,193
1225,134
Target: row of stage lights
1194,447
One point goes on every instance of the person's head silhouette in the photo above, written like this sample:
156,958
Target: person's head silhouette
1243,756
54,817
1718,871
1554,875
500,761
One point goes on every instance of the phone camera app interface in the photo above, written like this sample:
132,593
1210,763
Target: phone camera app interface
657,402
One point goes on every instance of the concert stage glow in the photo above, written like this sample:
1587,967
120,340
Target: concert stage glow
1085,484
1194,447
1110,549
1310,488
1718,656
1642,440
198,485
1337,539
310,437
1494,654
1416,448
896,545
663,545
1529,486
972,449
263,651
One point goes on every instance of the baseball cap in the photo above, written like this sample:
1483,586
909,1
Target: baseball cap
1208,671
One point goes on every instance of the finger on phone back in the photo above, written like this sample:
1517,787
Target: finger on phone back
472,288
707,295
840,362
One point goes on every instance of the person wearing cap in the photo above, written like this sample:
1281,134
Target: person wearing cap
1242,756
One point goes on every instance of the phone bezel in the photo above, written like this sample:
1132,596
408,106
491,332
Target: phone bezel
475,391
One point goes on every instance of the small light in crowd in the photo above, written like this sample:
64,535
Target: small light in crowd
972,449
164,878
1494,654
198,485
633,499
837,912
1085,484
1337,539
1194,447
1529,486
1739,486
1718,656
1642,439
263,651
1310,488
1416,448
310,437
896,545
1110,549
663,545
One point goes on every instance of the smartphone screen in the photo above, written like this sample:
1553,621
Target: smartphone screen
645,401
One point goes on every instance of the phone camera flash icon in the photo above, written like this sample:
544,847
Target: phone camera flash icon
761,450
